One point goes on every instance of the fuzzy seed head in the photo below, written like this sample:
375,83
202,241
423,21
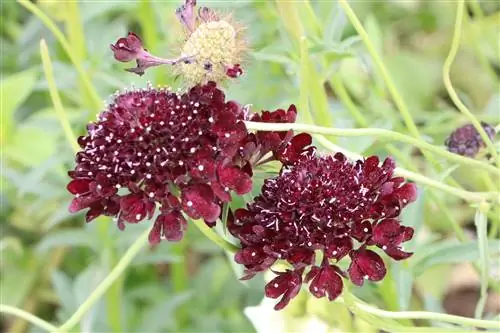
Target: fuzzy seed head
214,45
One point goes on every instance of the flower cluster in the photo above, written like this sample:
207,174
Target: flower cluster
187,153
212,50
183,152
467,141
325,205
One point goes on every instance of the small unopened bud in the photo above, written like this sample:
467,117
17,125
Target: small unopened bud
466,140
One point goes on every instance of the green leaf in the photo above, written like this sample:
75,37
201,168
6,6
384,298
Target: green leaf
63,287
449,252
14,89
413,216
31,146
336,24
17,281
403,279
160,317
68,237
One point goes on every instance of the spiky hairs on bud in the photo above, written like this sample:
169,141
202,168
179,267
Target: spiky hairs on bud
216,46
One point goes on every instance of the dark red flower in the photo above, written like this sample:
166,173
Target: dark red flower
156,148
326,204
128,48
467,141
286,284
365,265
234,71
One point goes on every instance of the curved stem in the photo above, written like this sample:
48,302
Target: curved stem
96,101
398,100
455,44
210,234
56,99
378,132
466,195
27,316
106,283
426,315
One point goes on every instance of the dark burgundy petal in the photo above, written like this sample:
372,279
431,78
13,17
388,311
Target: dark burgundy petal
293,149
234,71
135,207
198,201
172,226
235,179
365,264
127,49
361,230
338,248
390,234
286,284
397,253
82,202
79,186
406,193
326,282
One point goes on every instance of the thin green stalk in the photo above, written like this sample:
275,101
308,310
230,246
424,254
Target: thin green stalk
480,221
95,99
210,234
4,308
464,321
98,292
378,132
338,86
114,297
398,100
386,324
56,99
74,29
391,87
455,44
179,277
76,38
466,195
304,81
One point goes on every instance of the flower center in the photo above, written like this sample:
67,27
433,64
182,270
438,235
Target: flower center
213,44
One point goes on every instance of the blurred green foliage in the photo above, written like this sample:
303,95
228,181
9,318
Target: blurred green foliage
51,261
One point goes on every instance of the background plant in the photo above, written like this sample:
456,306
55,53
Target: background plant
385,67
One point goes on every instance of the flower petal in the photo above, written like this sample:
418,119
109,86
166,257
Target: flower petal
287,284
235,179
365,264
198,201
326,282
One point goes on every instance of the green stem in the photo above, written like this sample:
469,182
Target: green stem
210,234
27,316
106,283
56,99
338,86
480,221
426,315
398,100
378,132
455,44
466,195
179,277
95,99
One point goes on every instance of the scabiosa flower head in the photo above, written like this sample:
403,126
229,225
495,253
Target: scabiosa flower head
181,152
212,50
467,141
328,206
